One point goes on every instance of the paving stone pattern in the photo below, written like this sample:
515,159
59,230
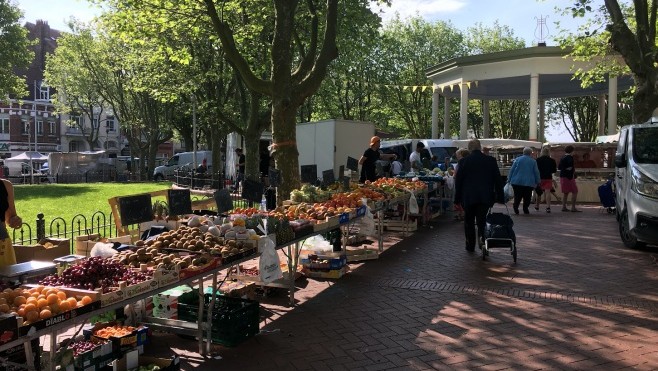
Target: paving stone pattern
575,300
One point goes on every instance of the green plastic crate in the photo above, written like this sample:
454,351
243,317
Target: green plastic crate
234,320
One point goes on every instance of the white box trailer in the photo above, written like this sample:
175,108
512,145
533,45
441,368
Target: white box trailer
328,143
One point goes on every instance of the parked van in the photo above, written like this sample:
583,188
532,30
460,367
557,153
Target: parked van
179,160
636,184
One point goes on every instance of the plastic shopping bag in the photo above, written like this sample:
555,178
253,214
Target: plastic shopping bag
269,266
508,191
413,204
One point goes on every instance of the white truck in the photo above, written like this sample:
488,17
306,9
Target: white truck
183,159
328,143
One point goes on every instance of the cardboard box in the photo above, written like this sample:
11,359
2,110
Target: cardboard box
46,250
326,274
84,244
165,304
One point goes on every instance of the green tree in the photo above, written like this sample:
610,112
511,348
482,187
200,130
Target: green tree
75,96
407,48
578,115
627,30
15,57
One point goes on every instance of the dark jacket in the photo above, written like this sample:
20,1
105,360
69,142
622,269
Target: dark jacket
478,180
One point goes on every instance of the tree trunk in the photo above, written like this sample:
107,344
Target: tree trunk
286,156
645,98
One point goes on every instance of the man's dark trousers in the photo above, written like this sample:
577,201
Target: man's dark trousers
473,213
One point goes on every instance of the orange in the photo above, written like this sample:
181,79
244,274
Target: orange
45,314
72,302
30,307
52,298
41,296
31,300
61,295
86,300
4,308
21,312
3,300
19,300
42,303
64,306
54,308
32,316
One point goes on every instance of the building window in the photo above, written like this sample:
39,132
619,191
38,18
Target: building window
40,127
4,125
75,121
25,127
43,91
73,146
109,123
94,123
52,125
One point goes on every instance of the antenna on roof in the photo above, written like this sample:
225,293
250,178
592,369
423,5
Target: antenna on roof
541,31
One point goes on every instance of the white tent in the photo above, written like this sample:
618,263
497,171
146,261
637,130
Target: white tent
28,156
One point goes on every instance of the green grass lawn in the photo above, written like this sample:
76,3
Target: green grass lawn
68,200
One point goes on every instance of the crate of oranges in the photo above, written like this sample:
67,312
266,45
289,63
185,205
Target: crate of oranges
41,307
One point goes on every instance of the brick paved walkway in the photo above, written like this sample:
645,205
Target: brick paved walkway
575,300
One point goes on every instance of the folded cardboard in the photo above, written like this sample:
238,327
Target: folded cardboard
46,250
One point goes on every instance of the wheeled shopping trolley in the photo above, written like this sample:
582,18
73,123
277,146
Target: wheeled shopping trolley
498,233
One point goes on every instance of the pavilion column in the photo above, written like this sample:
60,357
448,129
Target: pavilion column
542,121
486,129
601,130
435,114
534,100
612,105
463,111
446,118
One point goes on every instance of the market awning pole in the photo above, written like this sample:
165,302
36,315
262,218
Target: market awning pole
193,132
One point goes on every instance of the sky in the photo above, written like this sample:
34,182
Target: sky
520,15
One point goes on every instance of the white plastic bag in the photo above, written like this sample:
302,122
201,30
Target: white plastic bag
269,266
413,204
102,249
508,191
450,181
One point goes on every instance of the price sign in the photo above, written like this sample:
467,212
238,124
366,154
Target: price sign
180,201
346,183
352,164
309,173
135,209
328,177
252,190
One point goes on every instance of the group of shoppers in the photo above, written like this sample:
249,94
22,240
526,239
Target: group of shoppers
478,185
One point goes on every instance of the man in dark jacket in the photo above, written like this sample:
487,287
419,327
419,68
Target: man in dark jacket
477,186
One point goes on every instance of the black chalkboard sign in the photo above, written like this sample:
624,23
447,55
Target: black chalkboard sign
328,177
252,190
346,183
135,209
352,163
341,171
309,173
274,176
180,201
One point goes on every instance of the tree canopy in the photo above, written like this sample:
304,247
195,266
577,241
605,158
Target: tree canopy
15,56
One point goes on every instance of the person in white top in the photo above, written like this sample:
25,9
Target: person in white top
415,159
396,166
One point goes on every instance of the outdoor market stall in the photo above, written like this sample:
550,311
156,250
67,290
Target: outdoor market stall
196,249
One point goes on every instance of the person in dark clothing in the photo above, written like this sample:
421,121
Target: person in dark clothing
8,217
203,168
567,167
547,167
478,186
240,166
369,160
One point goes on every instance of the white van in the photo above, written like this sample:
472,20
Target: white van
179,160
441,148
636,184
